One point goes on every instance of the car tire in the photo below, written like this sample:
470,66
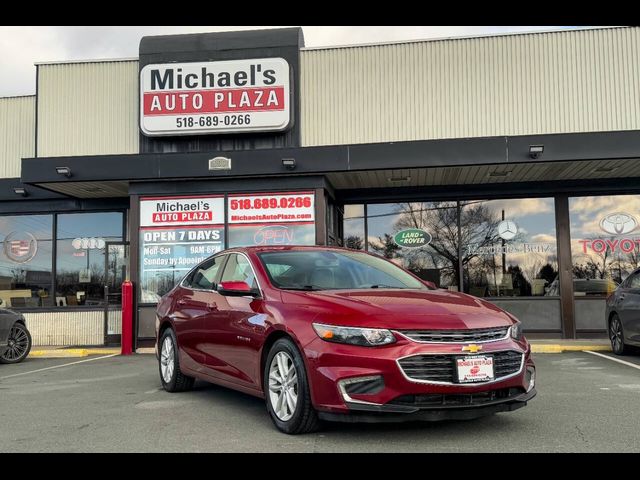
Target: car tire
21,346
280,395
172,378
616,336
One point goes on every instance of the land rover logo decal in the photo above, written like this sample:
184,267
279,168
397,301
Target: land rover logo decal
412,238
20,247
618,223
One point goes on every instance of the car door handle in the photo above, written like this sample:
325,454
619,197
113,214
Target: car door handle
182,302
212,306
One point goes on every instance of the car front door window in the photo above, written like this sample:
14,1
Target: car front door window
238,269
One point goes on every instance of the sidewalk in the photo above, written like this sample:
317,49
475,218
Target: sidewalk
78,352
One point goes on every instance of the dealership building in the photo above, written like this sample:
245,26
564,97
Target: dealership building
505,166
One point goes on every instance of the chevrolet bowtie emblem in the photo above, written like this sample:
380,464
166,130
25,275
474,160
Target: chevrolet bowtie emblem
473,348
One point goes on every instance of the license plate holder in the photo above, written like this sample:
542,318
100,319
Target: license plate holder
474,368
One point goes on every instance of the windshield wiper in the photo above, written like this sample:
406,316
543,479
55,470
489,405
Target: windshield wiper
306,288
382,285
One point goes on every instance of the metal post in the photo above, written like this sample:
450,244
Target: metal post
460,266
127,318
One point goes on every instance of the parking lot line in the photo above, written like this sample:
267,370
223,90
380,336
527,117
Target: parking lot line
56,366
629,364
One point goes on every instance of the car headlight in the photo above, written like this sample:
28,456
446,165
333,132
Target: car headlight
516,331
366,337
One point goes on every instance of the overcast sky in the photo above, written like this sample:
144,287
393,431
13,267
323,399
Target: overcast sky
21,47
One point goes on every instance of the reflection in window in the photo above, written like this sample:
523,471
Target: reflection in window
80,257
272,234
353,227
605,242
509,247
25,260
437,261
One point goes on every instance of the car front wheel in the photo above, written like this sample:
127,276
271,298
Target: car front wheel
286,390
18,345
173,380
616,335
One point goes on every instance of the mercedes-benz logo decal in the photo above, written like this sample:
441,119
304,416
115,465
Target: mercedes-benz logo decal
507,229
618,223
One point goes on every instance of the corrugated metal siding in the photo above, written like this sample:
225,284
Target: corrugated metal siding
559,82
66,328
17,133
87,108
115,322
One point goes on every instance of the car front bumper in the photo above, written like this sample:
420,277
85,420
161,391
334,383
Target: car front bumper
394,413
399,396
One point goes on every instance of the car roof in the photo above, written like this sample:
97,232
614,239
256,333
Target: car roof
286,248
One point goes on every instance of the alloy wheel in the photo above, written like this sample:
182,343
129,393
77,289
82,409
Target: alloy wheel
167,363
18,344
615,334
283,386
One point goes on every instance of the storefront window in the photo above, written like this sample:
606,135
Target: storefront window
605,242
80,257
420,236
25,260
353,227
271,219
509,247
176,233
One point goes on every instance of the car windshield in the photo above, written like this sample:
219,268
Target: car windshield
334,270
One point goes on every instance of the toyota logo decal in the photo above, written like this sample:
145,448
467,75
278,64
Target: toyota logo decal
618,223
507,229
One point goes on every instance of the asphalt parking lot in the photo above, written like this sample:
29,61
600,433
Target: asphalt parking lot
585,403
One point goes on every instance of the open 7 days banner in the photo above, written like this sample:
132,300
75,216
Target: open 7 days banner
286,218
176,233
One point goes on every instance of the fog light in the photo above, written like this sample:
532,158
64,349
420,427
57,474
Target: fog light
531,378
368,385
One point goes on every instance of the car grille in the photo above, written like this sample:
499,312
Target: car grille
456,336
457,400
440,368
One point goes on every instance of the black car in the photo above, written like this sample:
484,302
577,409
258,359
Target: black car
15,339
623,315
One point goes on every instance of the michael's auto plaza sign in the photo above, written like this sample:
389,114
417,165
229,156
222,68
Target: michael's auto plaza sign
215,97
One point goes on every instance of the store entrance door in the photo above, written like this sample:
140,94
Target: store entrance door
116,269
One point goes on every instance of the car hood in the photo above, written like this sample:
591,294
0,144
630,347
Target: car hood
401,309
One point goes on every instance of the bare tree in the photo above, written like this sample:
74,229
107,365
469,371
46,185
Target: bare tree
478,230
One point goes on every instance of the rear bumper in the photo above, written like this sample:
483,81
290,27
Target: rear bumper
402,413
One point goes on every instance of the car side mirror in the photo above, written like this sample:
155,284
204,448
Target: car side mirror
237,289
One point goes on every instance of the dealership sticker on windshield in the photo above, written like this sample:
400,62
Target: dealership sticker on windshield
474,369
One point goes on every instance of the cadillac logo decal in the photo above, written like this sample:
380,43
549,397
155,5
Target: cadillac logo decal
20,247
618,223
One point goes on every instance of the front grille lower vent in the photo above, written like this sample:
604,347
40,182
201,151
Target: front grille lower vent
440,368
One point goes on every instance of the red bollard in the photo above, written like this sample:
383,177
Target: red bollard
127,318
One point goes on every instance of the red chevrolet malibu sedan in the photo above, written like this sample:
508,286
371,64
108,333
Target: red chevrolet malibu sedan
335,334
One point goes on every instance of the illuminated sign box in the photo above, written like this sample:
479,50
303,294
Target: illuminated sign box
215,97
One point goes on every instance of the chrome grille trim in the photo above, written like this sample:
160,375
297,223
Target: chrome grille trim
449,367
476,335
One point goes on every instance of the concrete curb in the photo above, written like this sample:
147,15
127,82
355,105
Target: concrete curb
85,352
559,348
72,352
